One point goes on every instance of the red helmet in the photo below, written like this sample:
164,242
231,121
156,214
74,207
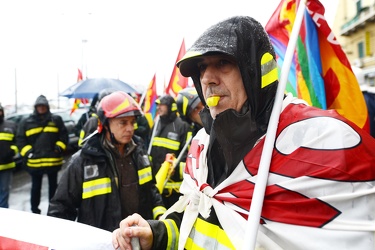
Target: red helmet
117,104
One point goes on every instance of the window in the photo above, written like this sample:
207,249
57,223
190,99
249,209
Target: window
361,50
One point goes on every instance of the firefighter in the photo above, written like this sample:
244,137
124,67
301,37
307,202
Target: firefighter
111,176
42,138
8,150
320,188
169,136
189,105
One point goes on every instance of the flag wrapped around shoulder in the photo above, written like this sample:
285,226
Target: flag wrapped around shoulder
177,81
149,107
320,72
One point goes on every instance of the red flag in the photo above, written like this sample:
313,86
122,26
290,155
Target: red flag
79,77
320,72
77,102
177,81
149,108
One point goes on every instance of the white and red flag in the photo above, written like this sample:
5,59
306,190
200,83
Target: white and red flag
21,230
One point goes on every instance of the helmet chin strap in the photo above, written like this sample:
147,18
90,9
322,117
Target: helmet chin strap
112,136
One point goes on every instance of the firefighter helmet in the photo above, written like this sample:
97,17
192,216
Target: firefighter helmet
169,101
187,100
117,104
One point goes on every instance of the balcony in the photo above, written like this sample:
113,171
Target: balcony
366,15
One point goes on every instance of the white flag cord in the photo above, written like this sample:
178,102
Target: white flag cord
263,171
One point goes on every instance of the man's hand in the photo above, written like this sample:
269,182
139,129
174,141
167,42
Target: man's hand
133,226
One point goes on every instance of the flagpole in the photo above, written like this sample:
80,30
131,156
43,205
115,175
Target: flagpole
263,171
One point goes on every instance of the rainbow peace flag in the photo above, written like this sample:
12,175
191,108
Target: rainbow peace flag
149,107
320,72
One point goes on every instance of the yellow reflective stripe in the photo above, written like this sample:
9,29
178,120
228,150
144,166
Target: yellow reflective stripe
6,136
185,102
81,137
51,129
125,104
61,144
158,210
38,130
25,149
45,162
182,167
135,126
268,69
96,187
166,143
145,175
174,185
14,148
173,234
7,166
34,131
205,235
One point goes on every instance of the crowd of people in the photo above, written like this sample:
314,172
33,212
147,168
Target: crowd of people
321,177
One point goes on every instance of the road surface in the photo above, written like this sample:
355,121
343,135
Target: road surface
19,198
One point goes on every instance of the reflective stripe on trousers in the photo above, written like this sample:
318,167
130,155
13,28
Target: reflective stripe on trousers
205,235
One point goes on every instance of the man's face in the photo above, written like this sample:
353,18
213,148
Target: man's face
122,128
194,114
41,109
220,76
162,109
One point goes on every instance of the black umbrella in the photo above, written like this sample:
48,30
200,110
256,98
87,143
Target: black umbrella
90,87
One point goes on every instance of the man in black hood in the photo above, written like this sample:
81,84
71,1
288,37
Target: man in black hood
42,138
169,136
309,194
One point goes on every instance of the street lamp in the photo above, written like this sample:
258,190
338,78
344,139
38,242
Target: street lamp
84,63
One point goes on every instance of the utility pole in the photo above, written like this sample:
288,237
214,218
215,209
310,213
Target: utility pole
15,90
84,63
58,91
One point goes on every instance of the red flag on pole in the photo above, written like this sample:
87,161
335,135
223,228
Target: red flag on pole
177,81
77,102
79,77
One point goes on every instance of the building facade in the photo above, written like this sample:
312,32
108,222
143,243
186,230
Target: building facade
355,29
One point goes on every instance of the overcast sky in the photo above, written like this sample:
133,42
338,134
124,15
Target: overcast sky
41,45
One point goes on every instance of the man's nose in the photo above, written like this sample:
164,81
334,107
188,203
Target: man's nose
209,76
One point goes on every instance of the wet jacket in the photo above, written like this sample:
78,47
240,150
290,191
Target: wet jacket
41,141
170,137
89,127
232,134
8,148
89,188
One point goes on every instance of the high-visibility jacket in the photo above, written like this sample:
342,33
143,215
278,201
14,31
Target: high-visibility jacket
89,189
170,137
8,148
41,141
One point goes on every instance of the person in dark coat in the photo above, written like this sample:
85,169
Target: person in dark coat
169,136
42,138
8,150
111,176
319,192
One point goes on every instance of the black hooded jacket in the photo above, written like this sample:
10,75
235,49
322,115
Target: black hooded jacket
233,134
41,139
